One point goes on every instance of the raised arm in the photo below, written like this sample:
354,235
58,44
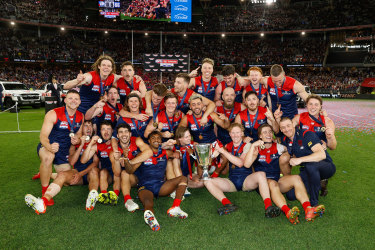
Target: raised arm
80,80
299,89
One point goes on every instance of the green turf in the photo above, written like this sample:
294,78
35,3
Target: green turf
348,223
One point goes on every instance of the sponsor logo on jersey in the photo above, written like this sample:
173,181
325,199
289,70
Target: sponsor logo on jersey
108,117
148,161
193,127
122,92
305,127
95,88
64,125
103,154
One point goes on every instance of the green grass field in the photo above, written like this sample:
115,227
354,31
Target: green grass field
348,223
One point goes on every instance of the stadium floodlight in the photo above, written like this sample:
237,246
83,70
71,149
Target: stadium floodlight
269,2
62,28
223,35
262,34
351,41
146,34
184,35
12,23
106,32
303,33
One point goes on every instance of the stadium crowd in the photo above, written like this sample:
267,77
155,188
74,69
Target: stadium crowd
229,17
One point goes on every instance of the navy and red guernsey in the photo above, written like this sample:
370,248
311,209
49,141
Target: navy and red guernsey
201,134
137,127
302,143
187,160
307,122
206,89
79,166
237,175
153,169
103,150
133,149
109,113
268,161
169,123
261,94
238,90
91,93
61,130
124,87
183,101
284,96
223,134
251,122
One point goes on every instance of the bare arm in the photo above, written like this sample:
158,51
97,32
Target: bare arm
296,120
90,150
47,126
299,89
271,121
330,134
95,110
183,122
94,163
252,154
142,88
150,127
80,80
233,159
210,107
192,83
75,153
148,103
218,91
224,123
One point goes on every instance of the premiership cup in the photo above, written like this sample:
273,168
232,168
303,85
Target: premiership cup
203,154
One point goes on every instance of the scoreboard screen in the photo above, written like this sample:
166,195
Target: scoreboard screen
109,8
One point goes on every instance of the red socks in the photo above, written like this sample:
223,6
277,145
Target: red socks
45,200
225,201
117,192
306,204
267,203
176,203
127,197
103,191
44,189
285,209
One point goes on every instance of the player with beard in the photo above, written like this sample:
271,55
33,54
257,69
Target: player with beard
61,128
95,83
254,116
205,84
253,83
202,133
231,80
230,109
167,121
136,151
82,174
265,155
108,111
151,181
184,93
129,83
317,121
134,106
308,152
283,91
240,176
101,146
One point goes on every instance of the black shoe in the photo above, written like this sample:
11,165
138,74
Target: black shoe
227,209
323,187
272,211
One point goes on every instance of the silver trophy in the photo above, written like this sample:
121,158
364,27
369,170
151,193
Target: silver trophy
204,157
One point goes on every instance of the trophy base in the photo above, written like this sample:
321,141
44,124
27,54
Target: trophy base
205,175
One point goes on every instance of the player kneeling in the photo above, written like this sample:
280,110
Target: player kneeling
151,181
82,174
240,176
265,155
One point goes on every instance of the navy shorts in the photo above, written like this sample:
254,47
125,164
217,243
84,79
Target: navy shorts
154,187
61,156
238,181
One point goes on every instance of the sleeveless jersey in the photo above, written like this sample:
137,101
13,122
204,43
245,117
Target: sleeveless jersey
133,149
307,123
268,161
251,127
237,89
199,134
124,87
78,165
153,169
223,134
208,88
261,94
90,94
169,123
109,113
235,171
183,101
186,160
137,127
284,96
103,150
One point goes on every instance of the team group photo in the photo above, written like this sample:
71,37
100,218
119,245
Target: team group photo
187,136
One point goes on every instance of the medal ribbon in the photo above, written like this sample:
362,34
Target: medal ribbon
71,125
319,120
182,101
252,124
135,123
205,91
196,123
277,92
170,125
155,114
114,108
260,90
130,85
235,153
